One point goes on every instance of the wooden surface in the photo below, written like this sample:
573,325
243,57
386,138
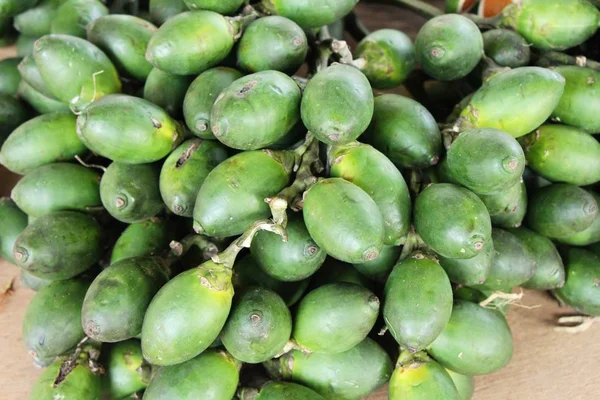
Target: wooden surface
547,365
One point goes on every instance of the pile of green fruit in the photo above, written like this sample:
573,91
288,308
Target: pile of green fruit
160,140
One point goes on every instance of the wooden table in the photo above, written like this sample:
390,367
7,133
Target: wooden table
547,365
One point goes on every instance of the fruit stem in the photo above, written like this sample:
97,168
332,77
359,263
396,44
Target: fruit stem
180,248
412,243
355,27
554,58
241,22
407,358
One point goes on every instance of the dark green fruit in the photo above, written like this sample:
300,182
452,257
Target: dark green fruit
12,114
337,104
465,385
24,45
452,221
74,70
127,370
185,170
167,91
350,375
272,43
344,221
32,282
10,8
191,42
213,373
588,236
581,290
14,221
389,57
561,153
507,209
380,268
52,322
42,140
550,272
485,161
144,238
513,263
470,271
80,382
115,304
162,10
373,172
58,187
30,73
40,102
334,271
290,261
553,26
310,13
448,47
578,104
334,318
130,192
256,111
60,245
515,101
418,377
201,96
405,132
151,133
280,390
417,302
258,327
224,7
506,48
37,21
124,38
561,211
9,76
226,206
74,16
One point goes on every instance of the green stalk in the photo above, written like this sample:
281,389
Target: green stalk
179,249
555,58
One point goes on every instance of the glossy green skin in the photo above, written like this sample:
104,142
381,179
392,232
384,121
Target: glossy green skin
12,114
290,261
552,25
588,236
80,383
334,271
481,336
58,187
191,43
562,153
513,263
224,7
247,273
389,55
561,211
32,282
448,47
201,96
167,91
344,220
550,271
422,381
337,104
256,111
465,385
51,325
516,101
124,38
37,21
335,317
485,161
452,221
9,76
405,132
506,48
470,271
162,10
258,327
288,391
141,239
213,375
127,370
185,170
272,43
507,209
187,314
373,172
350,375
24,45
73,17
380,268
41,140
151,133
30,73
9,8
14,221
579,102
71,68
310,13
60,245
417,302
115,304
130,192
40,102
227,208
581,290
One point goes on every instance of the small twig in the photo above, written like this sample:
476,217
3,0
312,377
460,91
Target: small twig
80,161
510,298
555,58
575,323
